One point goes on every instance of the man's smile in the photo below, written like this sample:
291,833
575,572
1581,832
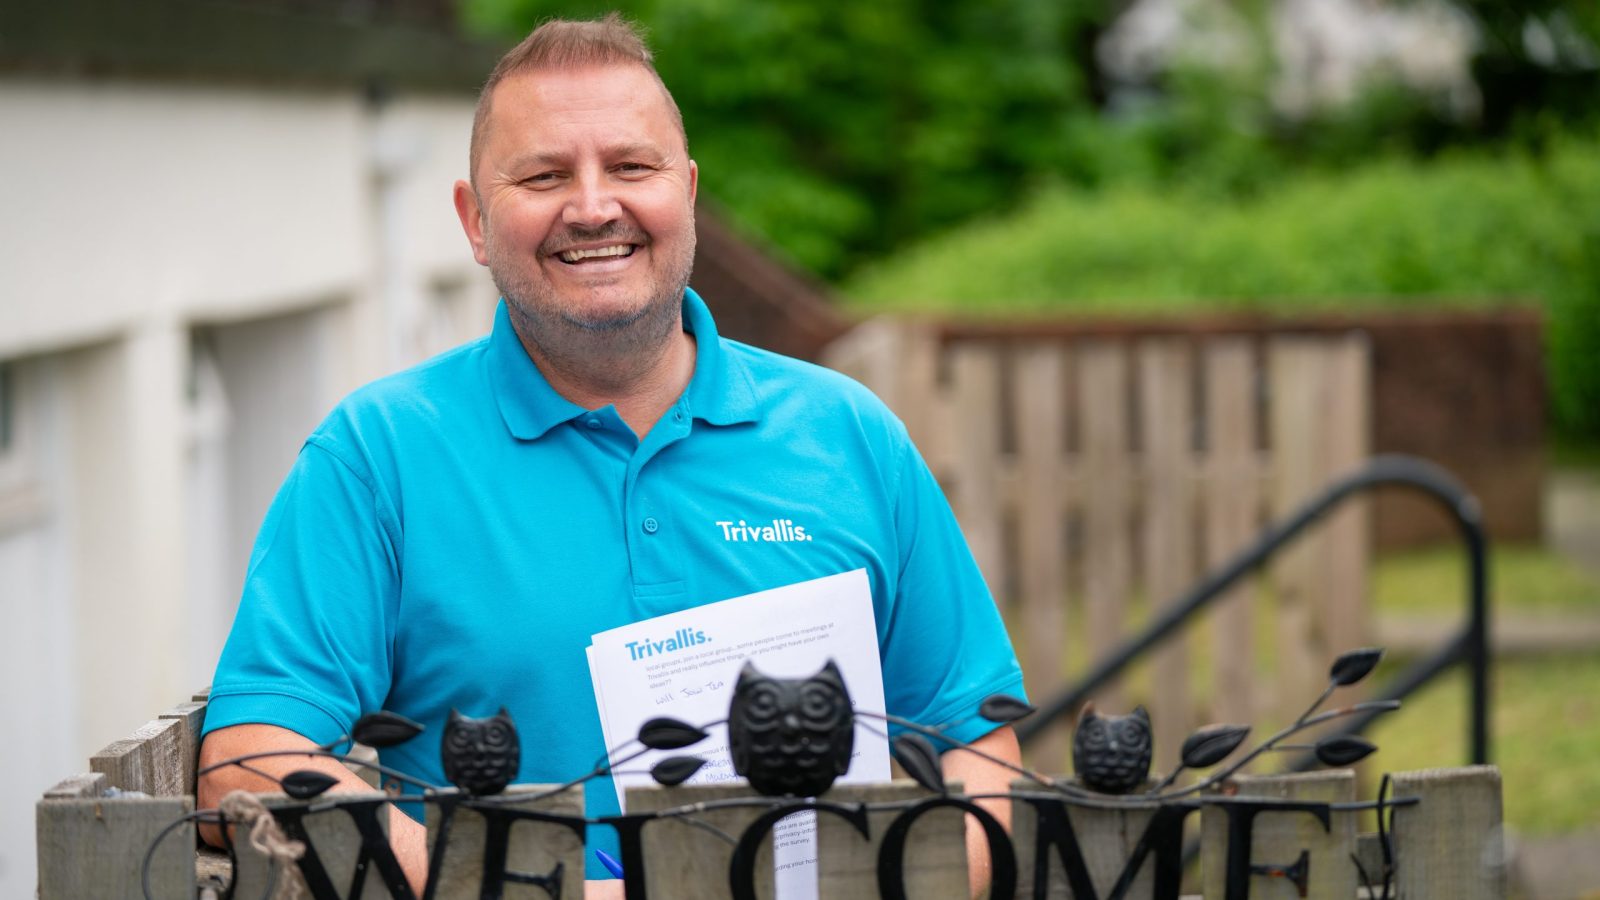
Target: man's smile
575,257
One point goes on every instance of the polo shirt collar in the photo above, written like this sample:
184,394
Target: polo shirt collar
720,391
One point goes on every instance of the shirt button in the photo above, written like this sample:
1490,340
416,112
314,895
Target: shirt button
651,526
593,423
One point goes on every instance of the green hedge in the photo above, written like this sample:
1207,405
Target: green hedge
1460,231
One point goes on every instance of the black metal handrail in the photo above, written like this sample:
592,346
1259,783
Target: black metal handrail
1470,645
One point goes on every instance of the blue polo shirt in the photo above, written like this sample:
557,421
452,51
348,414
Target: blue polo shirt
452,535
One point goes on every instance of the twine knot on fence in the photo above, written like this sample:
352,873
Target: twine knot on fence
246,809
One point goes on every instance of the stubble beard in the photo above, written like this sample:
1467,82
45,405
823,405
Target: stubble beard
577,337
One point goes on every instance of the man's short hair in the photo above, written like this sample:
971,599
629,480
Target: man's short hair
568,44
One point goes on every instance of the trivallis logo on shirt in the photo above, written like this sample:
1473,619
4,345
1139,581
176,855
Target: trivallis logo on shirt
780,531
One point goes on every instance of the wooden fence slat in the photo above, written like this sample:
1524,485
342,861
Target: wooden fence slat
899,361
75,787
149,760
1103,472
193,717
1232,498
917,373
1042,546
1344,619
1168,527
1319,431
935,858
94,846
975,390
689,862
1451,844
534,847
1107,837
865,353
1296,415
1280,836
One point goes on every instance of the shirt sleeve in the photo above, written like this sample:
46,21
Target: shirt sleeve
312,644
948,648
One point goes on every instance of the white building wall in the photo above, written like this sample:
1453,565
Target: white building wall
37,665
127,201
190,277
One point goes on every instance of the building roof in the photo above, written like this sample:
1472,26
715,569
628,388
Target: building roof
378,45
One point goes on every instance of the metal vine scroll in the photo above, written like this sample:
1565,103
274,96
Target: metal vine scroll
791,739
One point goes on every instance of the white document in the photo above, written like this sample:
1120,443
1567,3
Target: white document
684,665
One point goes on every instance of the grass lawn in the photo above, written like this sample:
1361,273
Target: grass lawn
1526,579
1545,717
1545,708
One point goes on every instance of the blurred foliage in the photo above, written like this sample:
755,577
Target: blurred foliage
1468,229
840,130
839,133
1535,65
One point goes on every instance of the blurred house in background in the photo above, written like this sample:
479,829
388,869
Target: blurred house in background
1325,51
218,219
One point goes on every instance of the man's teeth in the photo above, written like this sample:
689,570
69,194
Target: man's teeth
573,256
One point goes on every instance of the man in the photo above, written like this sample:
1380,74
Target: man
451,536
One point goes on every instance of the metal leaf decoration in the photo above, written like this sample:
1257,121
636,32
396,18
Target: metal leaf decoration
1353,666
384,729
303,784
1211,744
1004,708
669,734
916,755
1343,749
675,770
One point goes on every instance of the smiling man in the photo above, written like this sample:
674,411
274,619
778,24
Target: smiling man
582,206
451,536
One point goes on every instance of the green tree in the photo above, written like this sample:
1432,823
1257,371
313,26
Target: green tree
838,131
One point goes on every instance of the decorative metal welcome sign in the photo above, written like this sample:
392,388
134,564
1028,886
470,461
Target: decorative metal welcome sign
1111,832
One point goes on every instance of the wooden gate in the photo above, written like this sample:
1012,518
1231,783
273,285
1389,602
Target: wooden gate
1097,478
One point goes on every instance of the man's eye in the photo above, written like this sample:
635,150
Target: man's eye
632,168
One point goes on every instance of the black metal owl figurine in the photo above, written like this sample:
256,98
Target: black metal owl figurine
481,756
1111,754
791,736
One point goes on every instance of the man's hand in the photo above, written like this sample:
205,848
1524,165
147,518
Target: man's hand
409,837
980,776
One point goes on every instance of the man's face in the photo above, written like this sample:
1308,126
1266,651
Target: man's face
584,202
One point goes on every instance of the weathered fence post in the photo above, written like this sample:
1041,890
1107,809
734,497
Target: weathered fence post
150,760
1106,840
92,845
935,863
690,861
332,836
1450,846
532,847
1287,839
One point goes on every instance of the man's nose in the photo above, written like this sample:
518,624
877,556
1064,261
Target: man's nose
593,202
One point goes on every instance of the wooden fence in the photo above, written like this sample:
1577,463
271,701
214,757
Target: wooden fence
1095,479
1446,838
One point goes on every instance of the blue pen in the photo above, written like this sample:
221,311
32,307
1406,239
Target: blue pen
610,862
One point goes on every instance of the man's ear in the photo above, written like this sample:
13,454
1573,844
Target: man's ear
694,181
471,216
